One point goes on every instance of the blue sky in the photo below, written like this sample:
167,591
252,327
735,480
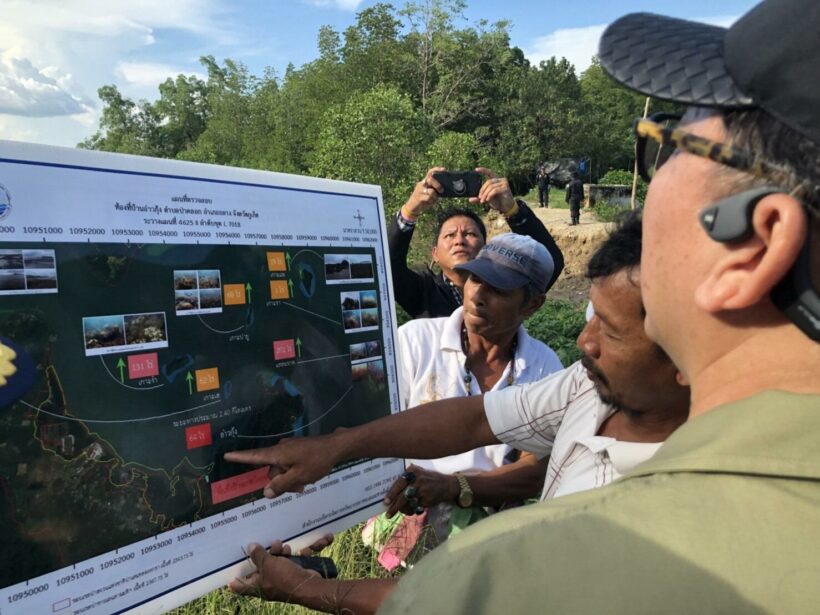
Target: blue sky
54,54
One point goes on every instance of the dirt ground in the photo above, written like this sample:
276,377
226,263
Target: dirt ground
576,242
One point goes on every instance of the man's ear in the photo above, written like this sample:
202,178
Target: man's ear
746,272
434,254
533,305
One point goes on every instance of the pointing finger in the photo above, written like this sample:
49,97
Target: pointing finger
256,457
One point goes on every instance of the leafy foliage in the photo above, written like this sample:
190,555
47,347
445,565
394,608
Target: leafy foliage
558,324
450,93
618,176
607,212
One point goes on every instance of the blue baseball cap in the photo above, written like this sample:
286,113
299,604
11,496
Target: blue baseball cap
511,261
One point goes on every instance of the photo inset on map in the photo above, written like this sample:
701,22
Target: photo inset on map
27,271
337,268
358,372
197,291
102,333
369,299
210,299
11,259
352,320
366,362
370,318
361,268
39,259
356,315
124,333
350,301
186,300
185,280
375,372
348,268
12,281
374,348
143,329
209,279
358,352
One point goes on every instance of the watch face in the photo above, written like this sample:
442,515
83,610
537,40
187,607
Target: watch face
465,499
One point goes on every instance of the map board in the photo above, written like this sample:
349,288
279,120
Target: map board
176,311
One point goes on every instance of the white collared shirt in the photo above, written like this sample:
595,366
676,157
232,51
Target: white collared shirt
560,416
431,367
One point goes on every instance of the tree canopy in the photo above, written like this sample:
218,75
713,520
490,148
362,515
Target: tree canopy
397,92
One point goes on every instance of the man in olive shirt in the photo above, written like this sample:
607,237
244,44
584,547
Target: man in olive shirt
726,517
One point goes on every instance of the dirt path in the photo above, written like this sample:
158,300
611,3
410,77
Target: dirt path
576,242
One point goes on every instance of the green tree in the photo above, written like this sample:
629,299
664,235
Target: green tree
125,126
539,118
229,91
376,137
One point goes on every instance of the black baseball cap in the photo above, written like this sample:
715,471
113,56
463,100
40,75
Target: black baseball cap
769,58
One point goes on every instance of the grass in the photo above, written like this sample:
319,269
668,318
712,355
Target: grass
353,559
558,324
556,198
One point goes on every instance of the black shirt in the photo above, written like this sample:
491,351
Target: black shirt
426,294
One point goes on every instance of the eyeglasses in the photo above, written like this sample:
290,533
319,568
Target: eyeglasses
658,138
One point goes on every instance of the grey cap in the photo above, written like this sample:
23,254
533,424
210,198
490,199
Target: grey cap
511,261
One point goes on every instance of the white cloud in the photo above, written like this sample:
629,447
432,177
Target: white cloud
55,54
345,5
25,90
149,75
577,45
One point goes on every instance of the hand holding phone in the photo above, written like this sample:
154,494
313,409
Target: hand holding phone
458,184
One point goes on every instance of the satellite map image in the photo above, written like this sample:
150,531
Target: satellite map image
151,362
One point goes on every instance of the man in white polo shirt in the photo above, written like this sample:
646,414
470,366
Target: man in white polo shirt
603,415
481,347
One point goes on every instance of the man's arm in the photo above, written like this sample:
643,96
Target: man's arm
509,483
408,285
280,580
525,222
433,430
496,193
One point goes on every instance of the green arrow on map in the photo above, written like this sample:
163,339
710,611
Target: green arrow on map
189,378
248,289
290,287
121,367
298,348
287,260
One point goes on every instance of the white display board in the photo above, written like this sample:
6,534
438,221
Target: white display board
176,311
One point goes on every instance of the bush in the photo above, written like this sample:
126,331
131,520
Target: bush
607,212
624,178
558,324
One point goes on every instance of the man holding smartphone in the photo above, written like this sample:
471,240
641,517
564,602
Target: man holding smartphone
460,234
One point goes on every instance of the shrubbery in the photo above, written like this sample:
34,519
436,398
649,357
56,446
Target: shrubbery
558,324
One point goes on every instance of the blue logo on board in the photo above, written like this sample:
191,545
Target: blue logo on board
5,202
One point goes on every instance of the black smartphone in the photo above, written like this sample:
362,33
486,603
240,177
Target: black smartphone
458,183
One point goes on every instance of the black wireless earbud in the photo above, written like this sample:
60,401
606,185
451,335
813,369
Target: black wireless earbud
730,219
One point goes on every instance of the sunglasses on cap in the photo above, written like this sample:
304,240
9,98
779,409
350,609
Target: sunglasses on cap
658,137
